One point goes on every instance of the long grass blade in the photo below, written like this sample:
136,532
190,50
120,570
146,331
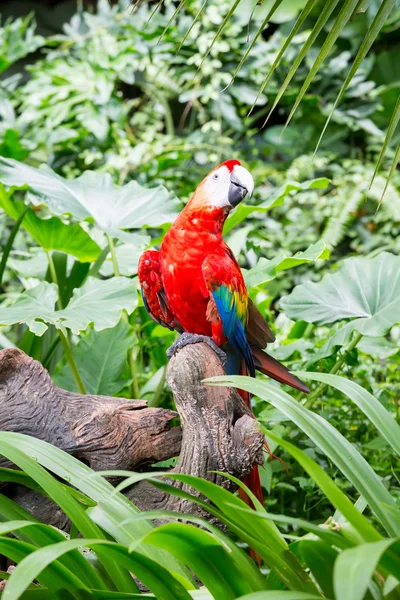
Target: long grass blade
335,446
355,567
274,7
280,595
264,538
152,574
172,19
206,556
111,507
44,535
157,6
365,401
319,25
242,561
299,22
331,490
370,36
55,576
340,21
220,30
390,175
328,536
197,17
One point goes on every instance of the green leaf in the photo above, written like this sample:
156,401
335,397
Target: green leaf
326,12
393,166
355,567
299,22
364,289
372,32
266,270
395,118
262,535
152,574
261,28
72,508
241,561
206,556
111,510
319,558
365,401
44,535
97,302
244,210
94,195
102,360
330,537
340,21
333,444
55,576
280,595
52,234
225,21
192,24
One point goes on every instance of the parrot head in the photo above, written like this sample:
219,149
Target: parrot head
228,184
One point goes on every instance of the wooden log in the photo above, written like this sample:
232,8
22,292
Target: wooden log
218,432
104,432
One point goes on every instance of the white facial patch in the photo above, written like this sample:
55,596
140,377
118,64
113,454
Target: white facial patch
218,183
217,187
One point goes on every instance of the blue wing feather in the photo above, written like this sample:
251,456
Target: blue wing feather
233,328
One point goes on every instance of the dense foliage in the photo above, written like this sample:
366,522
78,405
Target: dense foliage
122,125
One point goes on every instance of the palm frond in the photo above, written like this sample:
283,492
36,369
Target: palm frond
389,177
299,22
338,26
320,24
389,134
274,7
370,36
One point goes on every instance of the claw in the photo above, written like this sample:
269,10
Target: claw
192,338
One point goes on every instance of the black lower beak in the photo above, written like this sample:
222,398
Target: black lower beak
236,192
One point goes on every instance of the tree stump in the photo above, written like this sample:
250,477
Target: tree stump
217,433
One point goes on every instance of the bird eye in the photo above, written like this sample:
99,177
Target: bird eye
215,176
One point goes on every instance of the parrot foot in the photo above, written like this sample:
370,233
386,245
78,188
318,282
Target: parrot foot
192,338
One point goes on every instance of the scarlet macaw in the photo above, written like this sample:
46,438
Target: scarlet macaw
194,283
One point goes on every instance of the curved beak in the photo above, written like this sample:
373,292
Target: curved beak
241,184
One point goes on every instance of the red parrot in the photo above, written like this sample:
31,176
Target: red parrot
194,283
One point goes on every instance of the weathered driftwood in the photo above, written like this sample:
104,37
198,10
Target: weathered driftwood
217,431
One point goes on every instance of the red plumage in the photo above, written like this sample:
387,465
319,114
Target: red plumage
195,284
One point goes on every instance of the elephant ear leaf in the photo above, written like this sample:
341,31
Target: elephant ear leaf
94,196
98,302
365,292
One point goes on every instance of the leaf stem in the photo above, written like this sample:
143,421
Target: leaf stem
133,368
54,278
158,391
64,338
49,355
70,358
96,266
309,401
117,272
10,241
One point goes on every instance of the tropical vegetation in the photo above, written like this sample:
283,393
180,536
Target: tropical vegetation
105,130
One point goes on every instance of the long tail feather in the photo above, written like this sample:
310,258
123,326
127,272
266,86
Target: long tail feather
276,370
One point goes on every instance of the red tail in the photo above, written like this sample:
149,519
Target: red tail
273,368
252,481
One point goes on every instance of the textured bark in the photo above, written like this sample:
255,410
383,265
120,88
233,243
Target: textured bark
105,432
217,430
